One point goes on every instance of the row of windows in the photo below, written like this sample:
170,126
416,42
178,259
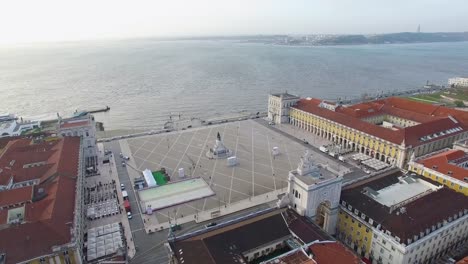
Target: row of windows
425,252
296,194
375,143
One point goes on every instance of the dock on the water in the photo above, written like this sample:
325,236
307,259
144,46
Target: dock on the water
98,110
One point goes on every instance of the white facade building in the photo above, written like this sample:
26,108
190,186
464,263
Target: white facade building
458,81
315,193
14,128
82,126
409,221
387,250
278,107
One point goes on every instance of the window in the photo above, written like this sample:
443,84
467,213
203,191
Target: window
390,257
393,248
381,251
367,230
359,225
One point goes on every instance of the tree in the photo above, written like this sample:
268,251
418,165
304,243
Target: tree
459,103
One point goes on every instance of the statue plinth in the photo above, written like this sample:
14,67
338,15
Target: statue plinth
219,150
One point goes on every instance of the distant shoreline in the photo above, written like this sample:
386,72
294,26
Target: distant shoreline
378,39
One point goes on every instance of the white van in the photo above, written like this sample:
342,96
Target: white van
323,149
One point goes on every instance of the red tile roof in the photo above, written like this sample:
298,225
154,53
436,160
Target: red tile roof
3,216
48,220
331,253
293,257
74,124
325,252
52,156
16,196
443,163
431,118
303,228
463,261
344,119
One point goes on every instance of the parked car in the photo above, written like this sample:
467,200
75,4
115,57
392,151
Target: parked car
210,224
129,215
175,227
124,164
126,158
122,186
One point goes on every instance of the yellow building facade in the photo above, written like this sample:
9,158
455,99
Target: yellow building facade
450,182
354,233
352,138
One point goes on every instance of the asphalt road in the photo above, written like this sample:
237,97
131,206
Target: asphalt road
149,248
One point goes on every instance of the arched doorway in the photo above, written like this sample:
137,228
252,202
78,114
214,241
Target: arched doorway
323,214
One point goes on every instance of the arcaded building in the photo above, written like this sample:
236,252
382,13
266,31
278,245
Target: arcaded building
392,130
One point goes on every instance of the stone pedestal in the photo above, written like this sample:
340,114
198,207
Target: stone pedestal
219,151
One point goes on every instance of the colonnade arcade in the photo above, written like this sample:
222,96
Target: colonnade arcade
356,147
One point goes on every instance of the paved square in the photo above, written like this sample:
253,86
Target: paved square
258,172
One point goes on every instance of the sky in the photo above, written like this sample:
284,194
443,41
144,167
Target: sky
63,20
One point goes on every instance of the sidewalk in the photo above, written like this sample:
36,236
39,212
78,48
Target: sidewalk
219,211
150,222
302,134
314,142
110,171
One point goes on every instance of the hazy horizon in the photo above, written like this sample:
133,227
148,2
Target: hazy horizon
56,21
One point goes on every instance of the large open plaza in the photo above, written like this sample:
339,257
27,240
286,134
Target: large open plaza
258,177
